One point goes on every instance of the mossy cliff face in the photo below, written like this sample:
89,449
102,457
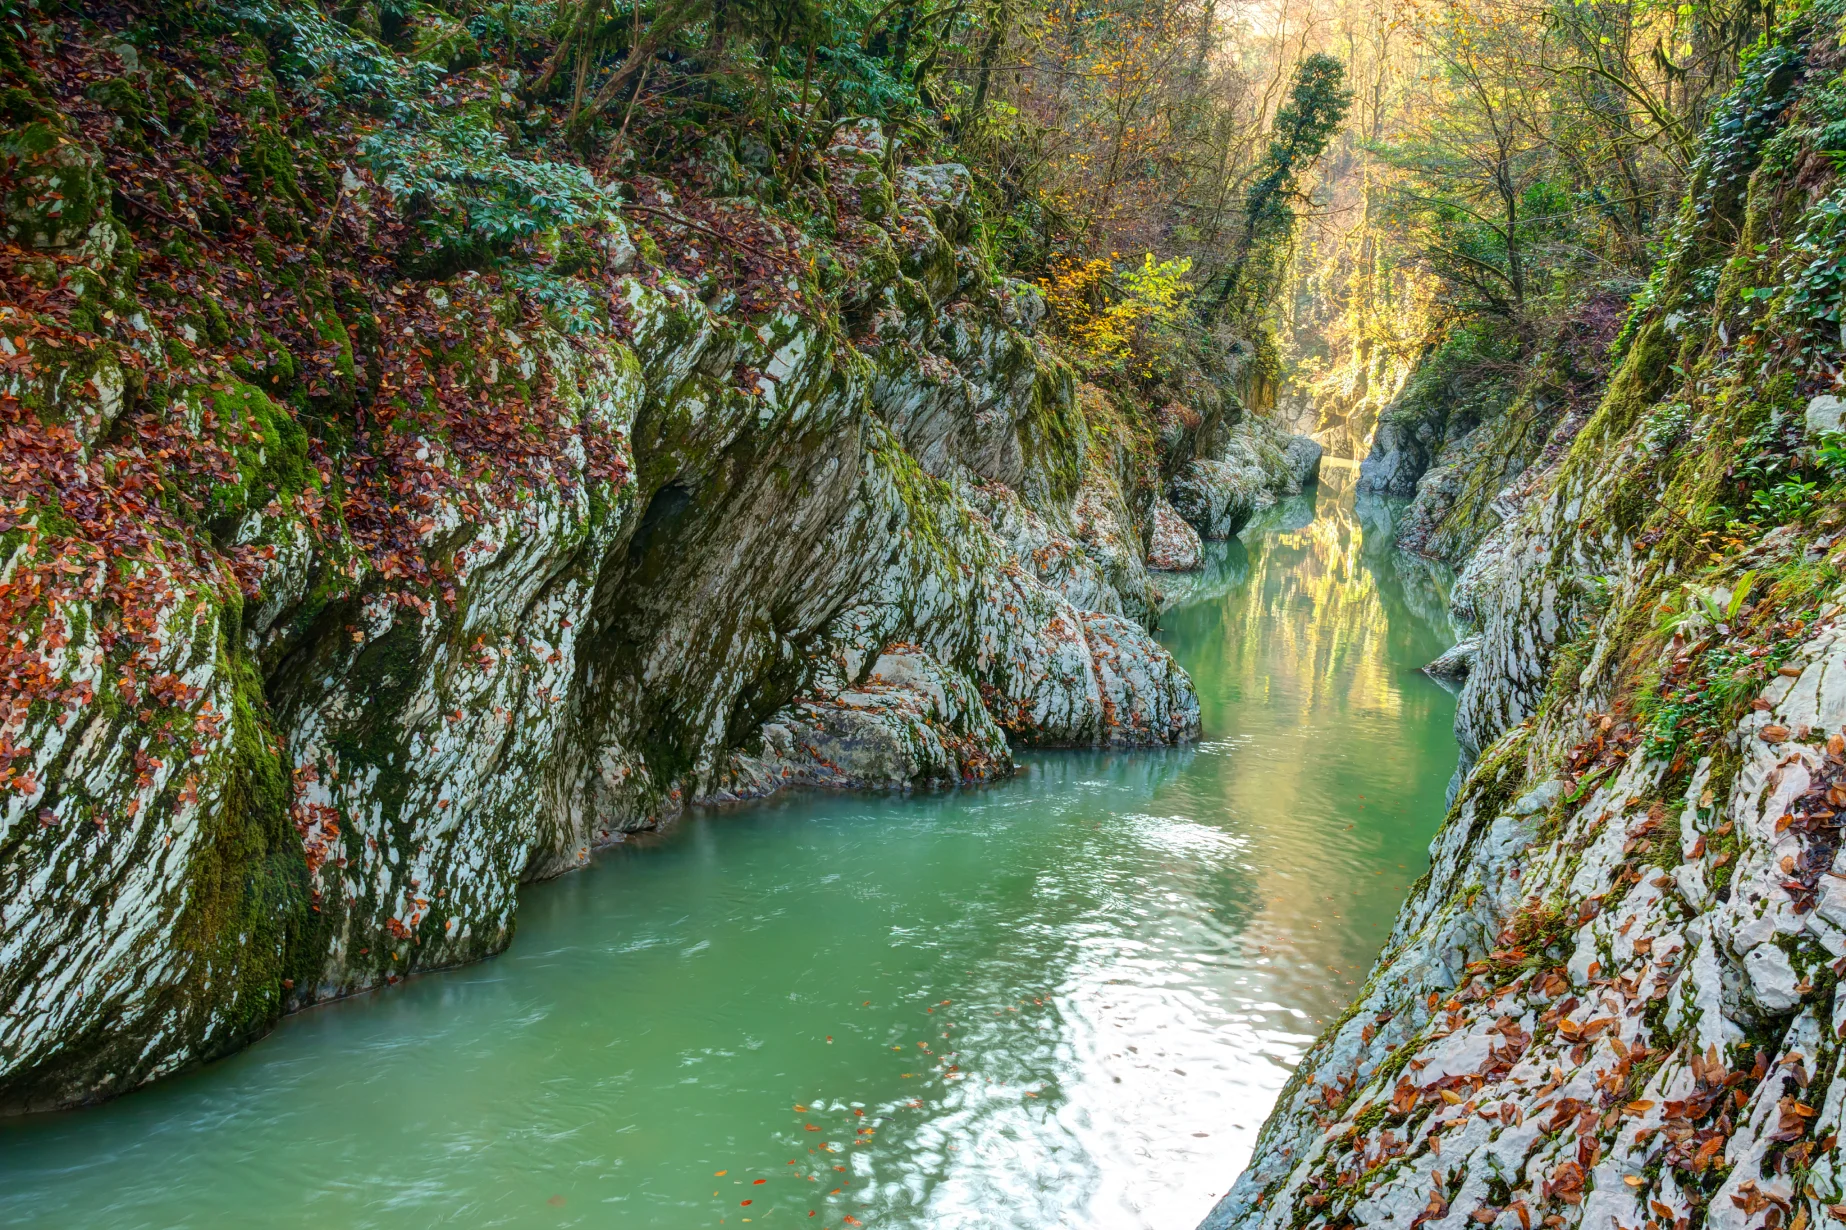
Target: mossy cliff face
1614,999
1479,415
343,599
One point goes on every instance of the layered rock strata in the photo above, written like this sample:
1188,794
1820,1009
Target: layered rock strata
343,600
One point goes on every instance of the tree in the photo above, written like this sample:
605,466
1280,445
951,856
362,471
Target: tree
1317,105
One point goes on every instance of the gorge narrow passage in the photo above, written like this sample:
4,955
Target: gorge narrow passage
1067,1000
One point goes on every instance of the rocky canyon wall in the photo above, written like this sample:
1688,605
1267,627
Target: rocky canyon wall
352,581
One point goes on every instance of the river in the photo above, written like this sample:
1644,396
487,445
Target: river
1068,1000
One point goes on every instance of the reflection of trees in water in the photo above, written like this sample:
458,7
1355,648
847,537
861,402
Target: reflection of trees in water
1306,624
1418,586
1357,528
1314,608
1415,591
1328,599
1225,569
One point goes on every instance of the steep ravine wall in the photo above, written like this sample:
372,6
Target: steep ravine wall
1613,1001
341,600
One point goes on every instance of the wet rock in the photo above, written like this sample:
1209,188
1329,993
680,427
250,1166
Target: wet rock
1825,413
1048,553
1217,497
1102,522
1147,700
1611,1001
1257,466
1304,454
878,568
1402,450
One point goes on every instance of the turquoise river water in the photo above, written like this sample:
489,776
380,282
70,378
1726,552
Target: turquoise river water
1064,1001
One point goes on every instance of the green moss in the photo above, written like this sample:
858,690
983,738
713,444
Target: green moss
1495,780
874,194
333,331
248,923
645,245
436,38
123,98
1373,1116
271,450
927,502
268,161
56,189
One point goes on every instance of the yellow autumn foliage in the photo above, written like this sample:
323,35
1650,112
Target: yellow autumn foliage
1112,318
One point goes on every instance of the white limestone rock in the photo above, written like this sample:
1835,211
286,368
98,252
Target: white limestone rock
1174,545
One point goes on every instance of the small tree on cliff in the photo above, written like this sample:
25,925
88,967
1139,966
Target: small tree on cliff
1317,103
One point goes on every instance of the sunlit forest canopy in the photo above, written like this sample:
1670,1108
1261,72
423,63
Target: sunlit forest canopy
1341,191
1509,174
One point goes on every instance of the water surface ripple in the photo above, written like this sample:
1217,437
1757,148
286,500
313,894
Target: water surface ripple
1068,1000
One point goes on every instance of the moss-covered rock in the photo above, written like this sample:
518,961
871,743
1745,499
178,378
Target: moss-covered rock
436,587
